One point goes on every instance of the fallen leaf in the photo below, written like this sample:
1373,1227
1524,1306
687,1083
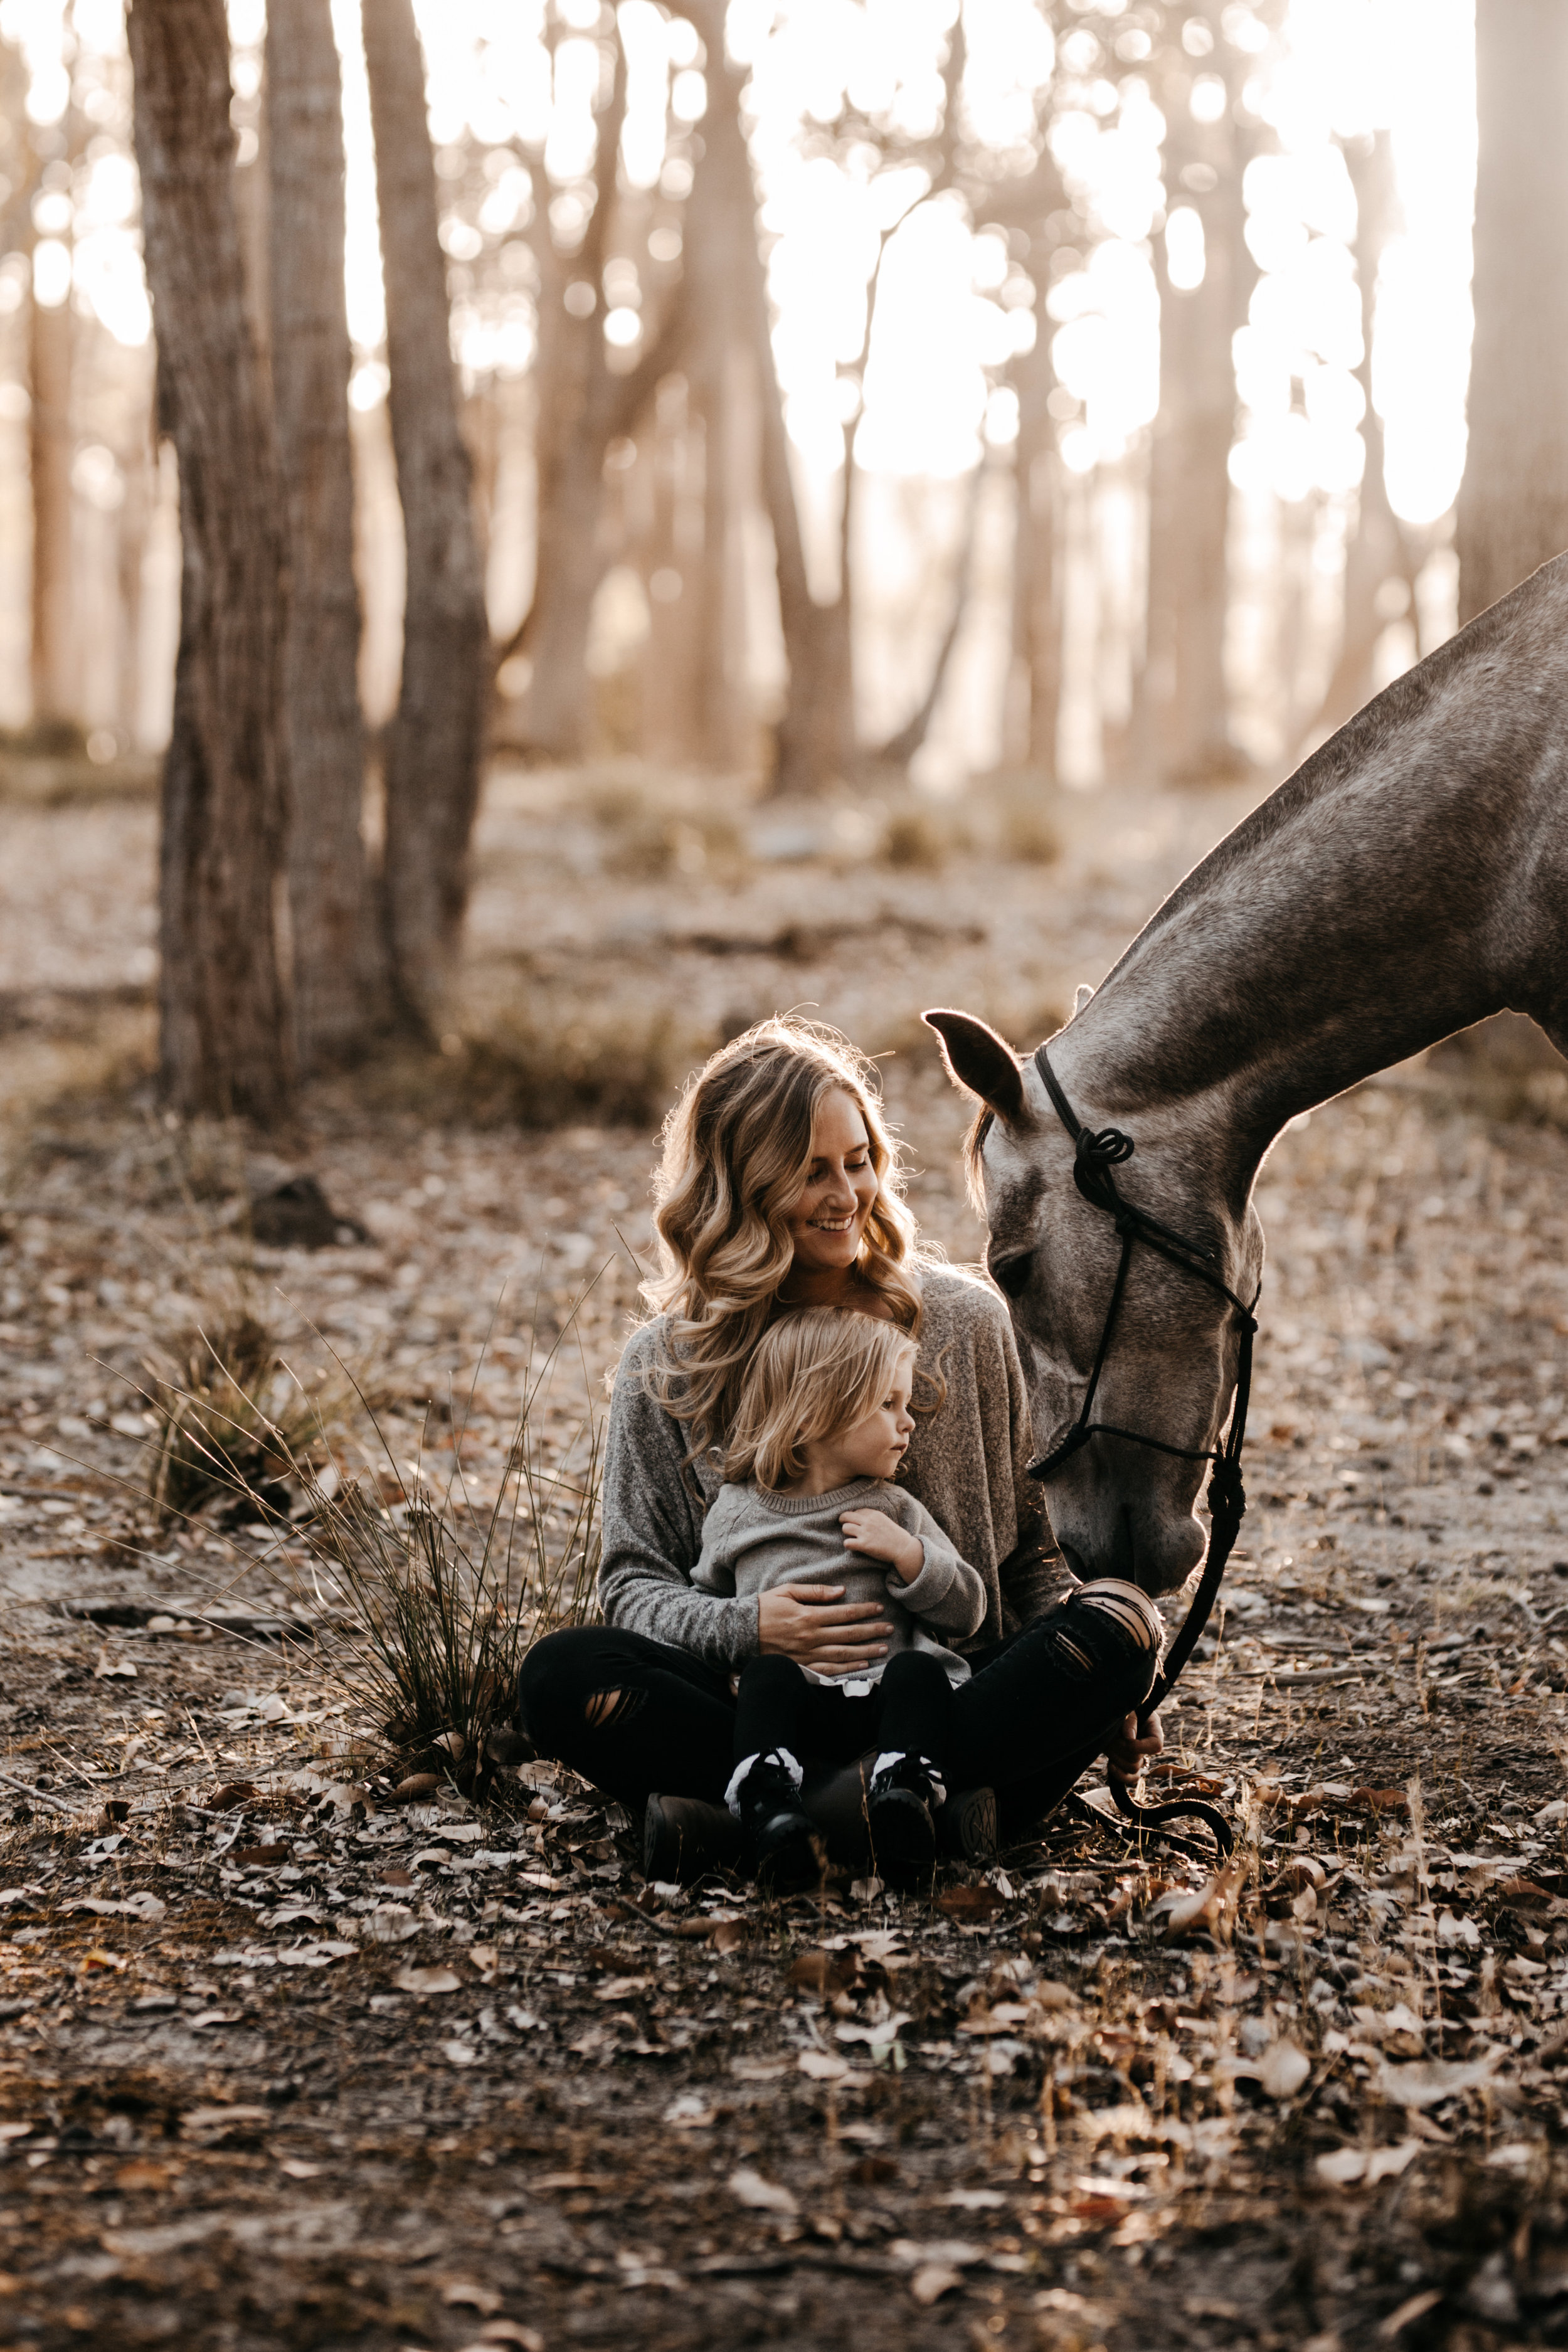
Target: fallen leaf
233,1793
1409,2312
730,1935
96,1958
297,2169
1103,2206
397,1878
460,2053
749,2188
509,2331
931,2281
1431,2079
1381,1800
969,1903
1211,1905
411,1979
391,1923
259,1857
823,1972
418,1786
117,1810
224,2118
143,2175
461,2294
821,2066
954,2252
1283,2069
114,1670
1346,2165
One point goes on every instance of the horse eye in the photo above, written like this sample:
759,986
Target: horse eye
1012,1274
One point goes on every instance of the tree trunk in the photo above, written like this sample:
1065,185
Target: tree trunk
584,406
53,665
900,749
436,740
139,466
1380,547
224,1042
1513,499
815,741
1180,731
335,951
1036,686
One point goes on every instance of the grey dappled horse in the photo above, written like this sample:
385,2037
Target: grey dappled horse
1410,878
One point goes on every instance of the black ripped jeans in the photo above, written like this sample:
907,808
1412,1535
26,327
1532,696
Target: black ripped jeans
635,1716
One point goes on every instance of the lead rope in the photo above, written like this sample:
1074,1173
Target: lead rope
1094,1155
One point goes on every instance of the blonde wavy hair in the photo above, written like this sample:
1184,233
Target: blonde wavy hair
814,1373
737,1152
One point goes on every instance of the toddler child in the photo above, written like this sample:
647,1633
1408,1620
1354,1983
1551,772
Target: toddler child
822,1427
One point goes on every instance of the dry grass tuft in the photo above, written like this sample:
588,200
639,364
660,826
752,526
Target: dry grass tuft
233,1421
446,1598
557,1058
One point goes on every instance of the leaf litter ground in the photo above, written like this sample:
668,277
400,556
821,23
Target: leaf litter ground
283,2062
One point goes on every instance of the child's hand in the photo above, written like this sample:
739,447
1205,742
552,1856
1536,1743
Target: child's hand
880,1538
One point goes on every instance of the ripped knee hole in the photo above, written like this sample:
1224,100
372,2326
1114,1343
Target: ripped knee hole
604,1709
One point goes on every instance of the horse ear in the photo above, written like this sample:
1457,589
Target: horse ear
980,1062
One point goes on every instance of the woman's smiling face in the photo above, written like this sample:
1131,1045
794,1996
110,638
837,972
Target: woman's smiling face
828,1221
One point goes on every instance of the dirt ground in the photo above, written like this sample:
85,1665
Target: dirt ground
283,2062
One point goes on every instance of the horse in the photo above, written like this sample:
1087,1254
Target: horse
1409,879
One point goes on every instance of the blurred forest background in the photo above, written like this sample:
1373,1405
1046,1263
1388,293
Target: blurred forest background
908,425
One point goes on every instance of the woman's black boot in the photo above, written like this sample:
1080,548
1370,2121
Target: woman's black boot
899,1804
786,1846
684,1839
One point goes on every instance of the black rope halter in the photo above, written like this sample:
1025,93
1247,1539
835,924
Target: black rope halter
1095,1156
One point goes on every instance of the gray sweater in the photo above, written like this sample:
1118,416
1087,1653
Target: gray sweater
753,1540
965,1462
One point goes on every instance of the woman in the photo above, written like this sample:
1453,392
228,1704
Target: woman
780,1188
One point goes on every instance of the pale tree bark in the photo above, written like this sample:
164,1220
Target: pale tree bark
436,740
1513,499
1032,716
1380,547
336,950
52,667
139,466
815,735
721,368
225,1042
1180,728
901,747
584,405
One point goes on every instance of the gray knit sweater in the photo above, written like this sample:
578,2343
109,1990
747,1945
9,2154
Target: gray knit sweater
754,1540
965,1462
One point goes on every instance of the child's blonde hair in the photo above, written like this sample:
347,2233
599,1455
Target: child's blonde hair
812,1373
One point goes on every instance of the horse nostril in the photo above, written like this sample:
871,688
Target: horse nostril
1012,1274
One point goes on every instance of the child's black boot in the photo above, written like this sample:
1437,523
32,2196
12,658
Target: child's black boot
904,1794
787,1850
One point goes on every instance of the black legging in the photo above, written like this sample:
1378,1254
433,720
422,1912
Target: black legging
635,1716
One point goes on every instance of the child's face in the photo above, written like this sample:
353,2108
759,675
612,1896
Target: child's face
874,1447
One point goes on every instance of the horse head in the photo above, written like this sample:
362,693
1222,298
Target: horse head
1119,1507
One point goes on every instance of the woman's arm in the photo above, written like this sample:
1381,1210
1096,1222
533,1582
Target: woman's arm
652,1531
1033,1575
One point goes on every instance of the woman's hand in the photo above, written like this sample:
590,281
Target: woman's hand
800,1621
1131,1749
880,1538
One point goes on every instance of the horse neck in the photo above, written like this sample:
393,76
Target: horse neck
1402,885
